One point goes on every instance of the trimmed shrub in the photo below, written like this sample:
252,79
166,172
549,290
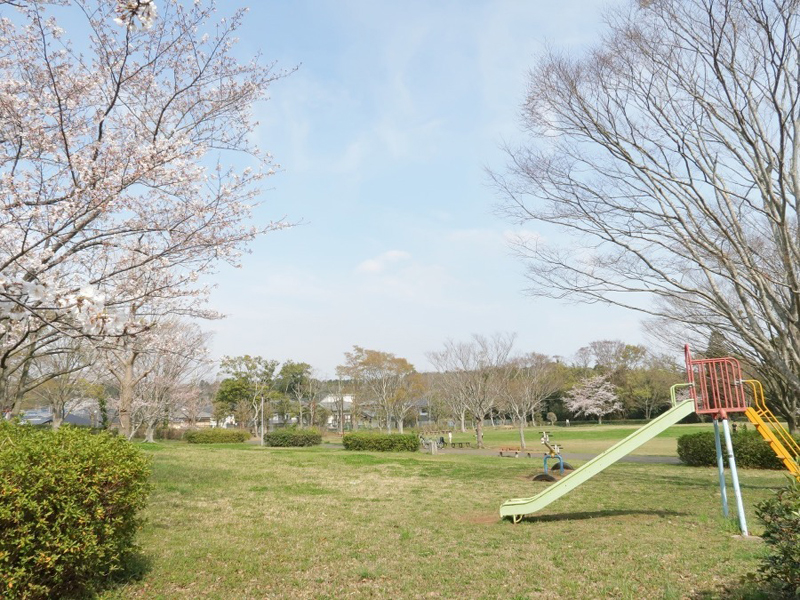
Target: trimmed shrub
293,438
68,514
217,435
780,568
750,449
381,442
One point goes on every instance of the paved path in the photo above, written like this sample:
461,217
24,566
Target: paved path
633,458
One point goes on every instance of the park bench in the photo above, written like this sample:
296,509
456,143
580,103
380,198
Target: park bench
460,444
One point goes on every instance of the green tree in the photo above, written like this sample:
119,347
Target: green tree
295,381
247,387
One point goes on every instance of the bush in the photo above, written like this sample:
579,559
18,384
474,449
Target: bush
170,433
749,448
780,567
69,508
382,442
293,438
217,435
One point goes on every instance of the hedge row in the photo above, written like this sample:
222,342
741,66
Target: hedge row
381,442
293,437
217,435
68,514
749,448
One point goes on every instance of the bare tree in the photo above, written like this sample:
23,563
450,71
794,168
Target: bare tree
476,370
67,378
529,380
668,156
407,397
447,388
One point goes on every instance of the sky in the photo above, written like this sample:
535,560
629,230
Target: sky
384,135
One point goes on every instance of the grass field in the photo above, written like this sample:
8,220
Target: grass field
250,522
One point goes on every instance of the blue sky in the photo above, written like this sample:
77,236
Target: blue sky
383,135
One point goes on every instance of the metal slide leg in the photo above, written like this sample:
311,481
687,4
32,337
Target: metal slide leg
735,477
721,467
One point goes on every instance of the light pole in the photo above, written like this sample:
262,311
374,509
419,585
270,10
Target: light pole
262,419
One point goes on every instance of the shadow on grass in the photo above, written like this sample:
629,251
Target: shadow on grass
690,482
747,588
600,514
135,567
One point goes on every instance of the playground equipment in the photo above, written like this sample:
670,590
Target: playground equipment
716,387
553,451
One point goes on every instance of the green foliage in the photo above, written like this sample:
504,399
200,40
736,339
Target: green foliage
781,517
750,449
69,508
293,437
217,435
381,442
293,378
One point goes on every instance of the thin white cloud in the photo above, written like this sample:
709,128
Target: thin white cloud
382,261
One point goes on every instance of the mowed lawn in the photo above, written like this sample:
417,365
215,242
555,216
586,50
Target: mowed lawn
586,439
249,522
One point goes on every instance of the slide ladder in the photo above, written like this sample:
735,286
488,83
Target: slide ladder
519,507
783,444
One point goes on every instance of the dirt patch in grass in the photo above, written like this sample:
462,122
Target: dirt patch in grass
479,518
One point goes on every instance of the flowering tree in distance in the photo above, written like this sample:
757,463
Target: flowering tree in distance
594,397
116,192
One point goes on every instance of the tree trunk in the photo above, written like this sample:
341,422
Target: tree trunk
463,422
126,398
791,424
479,432
149,432
400,425
600,420
522,433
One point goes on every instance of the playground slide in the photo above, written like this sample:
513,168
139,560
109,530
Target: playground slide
777,437
525,506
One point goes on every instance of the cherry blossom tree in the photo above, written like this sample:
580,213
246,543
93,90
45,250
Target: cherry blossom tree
116,185
177,353
594,397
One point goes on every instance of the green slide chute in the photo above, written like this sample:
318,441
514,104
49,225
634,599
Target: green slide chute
519,507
